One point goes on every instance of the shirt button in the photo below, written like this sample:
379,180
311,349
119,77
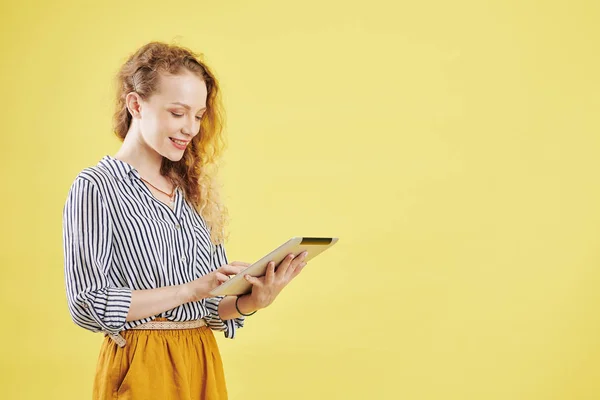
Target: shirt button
183,258
177,226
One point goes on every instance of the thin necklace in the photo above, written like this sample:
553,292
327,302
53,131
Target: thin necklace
171,195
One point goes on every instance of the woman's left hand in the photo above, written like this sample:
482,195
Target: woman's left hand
266,288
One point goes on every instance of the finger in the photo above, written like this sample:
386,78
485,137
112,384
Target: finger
284,265
290,271
253,280
298,270
299,259
239,269
222,277
288,274
240,263
230,269
270,275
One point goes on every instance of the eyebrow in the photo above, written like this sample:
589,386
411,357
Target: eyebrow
186,106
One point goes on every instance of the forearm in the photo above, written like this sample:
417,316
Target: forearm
227,307
149,302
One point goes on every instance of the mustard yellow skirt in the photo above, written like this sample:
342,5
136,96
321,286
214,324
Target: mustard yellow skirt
175,364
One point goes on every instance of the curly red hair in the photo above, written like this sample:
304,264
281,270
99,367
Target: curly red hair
196,172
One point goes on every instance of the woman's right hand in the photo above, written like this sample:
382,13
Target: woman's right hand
200,288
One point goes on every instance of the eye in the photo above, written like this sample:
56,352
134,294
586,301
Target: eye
198,118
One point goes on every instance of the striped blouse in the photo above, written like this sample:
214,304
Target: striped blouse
118,237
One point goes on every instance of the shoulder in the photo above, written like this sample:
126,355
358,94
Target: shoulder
95,178
97,175
103,174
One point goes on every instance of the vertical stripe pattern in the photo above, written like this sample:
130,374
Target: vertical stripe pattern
118,237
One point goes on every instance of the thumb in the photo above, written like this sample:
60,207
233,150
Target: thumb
253,280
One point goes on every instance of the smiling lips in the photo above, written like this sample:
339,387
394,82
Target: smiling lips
180,144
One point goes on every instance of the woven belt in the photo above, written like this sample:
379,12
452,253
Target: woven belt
120,340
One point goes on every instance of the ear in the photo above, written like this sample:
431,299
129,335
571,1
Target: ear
134,104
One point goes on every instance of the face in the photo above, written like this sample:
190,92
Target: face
171,117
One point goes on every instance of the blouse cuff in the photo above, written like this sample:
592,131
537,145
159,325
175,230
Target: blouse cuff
214,321
109,307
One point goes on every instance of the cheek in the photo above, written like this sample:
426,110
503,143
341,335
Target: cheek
160,127
168,125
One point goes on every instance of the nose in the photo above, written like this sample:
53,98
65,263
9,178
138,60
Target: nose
190,127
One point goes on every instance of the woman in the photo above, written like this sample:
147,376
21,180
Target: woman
143,238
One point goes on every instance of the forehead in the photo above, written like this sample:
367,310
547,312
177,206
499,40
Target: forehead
185,87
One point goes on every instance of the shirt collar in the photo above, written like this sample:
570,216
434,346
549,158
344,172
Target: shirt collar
119,169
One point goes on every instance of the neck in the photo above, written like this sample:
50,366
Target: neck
142,157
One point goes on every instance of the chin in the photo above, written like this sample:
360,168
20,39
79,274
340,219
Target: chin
173,156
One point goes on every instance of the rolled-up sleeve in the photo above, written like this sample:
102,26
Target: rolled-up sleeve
213,320
94,304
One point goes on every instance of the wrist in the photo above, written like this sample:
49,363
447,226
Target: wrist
185,294
245,305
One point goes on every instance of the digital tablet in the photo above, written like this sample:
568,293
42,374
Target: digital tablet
238,285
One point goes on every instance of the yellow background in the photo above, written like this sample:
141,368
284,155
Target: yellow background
451,145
